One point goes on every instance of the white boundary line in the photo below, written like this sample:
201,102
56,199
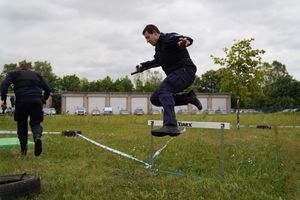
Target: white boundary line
4,132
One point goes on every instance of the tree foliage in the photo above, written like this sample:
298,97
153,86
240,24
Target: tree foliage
70,83
260,85
243,74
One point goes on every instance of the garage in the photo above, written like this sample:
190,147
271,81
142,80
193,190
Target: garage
139,102
219,104
96,102
118,103
211,102
72,103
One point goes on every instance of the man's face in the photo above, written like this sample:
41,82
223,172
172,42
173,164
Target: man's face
151,38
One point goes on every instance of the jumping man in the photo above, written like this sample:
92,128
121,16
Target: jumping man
170,53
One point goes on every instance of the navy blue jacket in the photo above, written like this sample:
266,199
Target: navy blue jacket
26,83
169,55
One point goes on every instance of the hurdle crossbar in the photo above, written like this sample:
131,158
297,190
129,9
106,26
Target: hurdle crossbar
191,124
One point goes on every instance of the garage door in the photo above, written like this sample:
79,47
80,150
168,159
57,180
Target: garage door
118,103
219,104
96,102
139,103
72,103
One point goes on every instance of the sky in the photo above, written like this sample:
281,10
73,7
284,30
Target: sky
98,38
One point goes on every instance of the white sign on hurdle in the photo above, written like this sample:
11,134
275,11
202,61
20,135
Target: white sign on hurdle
192,124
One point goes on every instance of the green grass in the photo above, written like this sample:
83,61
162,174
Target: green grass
259,163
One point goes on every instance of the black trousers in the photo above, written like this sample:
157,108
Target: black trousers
31,108
166,94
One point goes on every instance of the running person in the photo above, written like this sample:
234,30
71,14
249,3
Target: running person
28,89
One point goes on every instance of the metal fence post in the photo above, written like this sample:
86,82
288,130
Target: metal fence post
222,153
151,161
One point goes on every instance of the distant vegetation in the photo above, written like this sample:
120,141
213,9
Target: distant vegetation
256,84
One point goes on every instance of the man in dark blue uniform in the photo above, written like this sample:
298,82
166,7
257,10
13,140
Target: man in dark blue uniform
31,91
170,53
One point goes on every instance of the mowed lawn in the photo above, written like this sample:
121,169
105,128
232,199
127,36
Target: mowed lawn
259,163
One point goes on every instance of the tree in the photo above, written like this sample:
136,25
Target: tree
7,68
84,85
107,84
210,81
95,86
280,89
45,69
138,80
274,71
243,74
123,85
153,80
70,83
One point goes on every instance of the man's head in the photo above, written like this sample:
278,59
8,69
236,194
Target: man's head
24,65
151,34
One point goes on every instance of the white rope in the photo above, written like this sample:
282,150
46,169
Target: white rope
7,132
157,153
162,148
147,165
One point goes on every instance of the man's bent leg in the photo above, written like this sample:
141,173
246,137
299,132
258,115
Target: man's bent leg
169,111
166,98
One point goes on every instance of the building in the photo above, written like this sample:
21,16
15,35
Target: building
211,102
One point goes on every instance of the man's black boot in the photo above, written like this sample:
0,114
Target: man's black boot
23,150
192,98
166,130
37,146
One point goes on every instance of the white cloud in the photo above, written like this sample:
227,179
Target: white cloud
94,39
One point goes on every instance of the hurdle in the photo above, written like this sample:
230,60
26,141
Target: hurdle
190,124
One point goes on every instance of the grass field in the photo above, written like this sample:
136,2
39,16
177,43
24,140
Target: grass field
259,163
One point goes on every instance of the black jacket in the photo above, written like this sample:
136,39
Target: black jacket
169,55
26,83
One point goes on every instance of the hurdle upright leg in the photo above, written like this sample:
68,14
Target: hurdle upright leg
151,161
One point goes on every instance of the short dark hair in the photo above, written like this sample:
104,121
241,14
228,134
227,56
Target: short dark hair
150,28
24,65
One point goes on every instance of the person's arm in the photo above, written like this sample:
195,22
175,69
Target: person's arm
150,64
185,41
147,65
174,39
5,85
46,88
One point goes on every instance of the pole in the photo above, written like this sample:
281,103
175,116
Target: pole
151,162
238,113
222,153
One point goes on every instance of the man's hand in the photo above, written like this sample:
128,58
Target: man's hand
139,68
44,100
3,105
183,42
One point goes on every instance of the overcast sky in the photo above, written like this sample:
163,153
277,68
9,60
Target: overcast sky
96,38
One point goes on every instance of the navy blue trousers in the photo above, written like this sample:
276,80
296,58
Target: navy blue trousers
29,108
166,94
